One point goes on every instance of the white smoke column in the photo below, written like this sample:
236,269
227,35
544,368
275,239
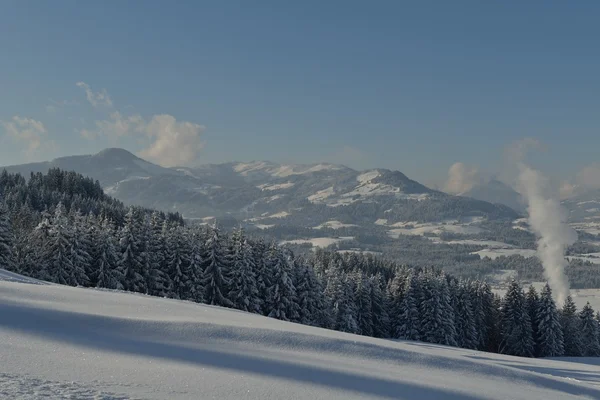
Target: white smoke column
548,220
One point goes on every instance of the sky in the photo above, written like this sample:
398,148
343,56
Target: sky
415,86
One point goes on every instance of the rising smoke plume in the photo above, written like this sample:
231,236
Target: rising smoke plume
547,218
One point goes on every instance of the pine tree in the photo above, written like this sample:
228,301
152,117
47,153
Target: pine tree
550,336
571,326
339,294
263,275
381,319
362,299
6,240
106,274
131,263
281,301
516,330
216,271
590,333
448,329
533,303
177,263
80,249
311,299
194,273
244,289
466,329
409,326
158,282
395,298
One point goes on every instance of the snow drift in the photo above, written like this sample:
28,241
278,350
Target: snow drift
60,341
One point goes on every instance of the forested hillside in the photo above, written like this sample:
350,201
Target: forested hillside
62,228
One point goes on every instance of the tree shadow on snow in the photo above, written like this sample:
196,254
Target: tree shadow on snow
106,333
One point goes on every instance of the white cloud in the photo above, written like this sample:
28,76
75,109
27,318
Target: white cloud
173,143
461,178
96,99
169,142
116,126
29,133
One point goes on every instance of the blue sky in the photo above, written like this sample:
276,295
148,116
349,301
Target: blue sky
414,86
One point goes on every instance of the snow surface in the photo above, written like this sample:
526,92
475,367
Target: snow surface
416,229
63,342
318,242
279,186
281,214
334,225
368,176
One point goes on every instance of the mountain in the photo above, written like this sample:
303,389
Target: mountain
497,192
66,342
301,195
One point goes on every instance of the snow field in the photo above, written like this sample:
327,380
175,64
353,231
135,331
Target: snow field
64,342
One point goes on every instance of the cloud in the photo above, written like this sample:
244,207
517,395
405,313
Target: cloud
173,143
461,178
168,142
96,99
29,133
116,126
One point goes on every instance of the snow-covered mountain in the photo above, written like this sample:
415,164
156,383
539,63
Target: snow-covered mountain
310,194
65,342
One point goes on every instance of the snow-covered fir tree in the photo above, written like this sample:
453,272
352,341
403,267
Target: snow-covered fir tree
362,297
216,276
549,339
244,288
516,330
154,256
533,302
466,328
590,333
177,263
131,248
311,298
106,274
7,240
193,286
571,325
395,298
409,324
281,301
81,247
379,313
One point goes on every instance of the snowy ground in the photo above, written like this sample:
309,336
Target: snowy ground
494,253
62,342
318,242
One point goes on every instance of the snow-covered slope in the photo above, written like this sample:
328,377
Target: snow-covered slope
62,342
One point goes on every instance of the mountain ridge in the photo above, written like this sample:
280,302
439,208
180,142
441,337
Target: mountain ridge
258,189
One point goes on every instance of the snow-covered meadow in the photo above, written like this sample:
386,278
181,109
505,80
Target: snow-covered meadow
64,342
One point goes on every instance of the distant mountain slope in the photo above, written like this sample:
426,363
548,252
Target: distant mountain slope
64,342
307,194
495,191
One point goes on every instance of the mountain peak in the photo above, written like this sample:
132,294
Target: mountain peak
116,153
